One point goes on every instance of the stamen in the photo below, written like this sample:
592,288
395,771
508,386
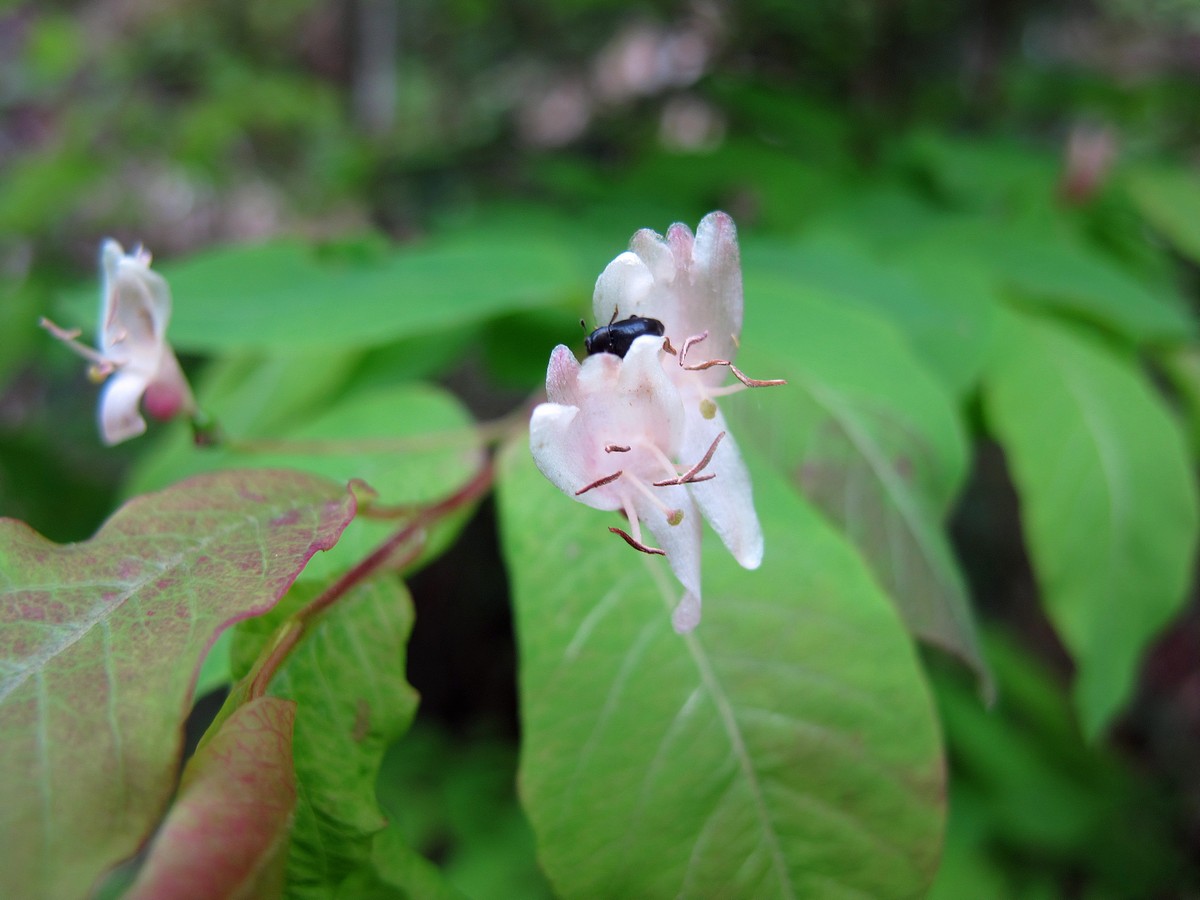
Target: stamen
752,382
691,476
616,448
649,494
688,344
600,482
101,364
737,373
663,459
635,544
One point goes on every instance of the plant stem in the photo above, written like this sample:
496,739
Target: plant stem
410,538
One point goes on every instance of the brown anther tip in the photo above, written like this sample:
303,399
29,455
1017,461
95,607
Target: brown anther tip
754,382
691,476
687,345
599,482
616,448
635,544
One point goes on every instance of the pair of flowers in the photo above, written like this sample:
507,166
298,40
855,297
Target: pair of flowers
641,432
637,431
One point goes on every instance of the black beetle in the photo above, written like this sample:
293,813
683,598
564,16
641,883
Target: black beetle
617,337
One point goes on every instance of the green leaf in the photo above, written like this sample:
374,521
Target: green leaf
944,313
786,748
214,671
868,436
410,443
347,679
1170,201
1108,501
1181,367
100,645
398,873
1048,271
227,831
1028,786
291,297
259,395
454,797
991,174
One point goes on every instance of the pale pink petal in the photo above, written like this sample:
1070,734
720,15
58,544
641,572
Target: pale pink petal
563,452
623,289
680,241
681,542
648,403
119,416
136,306
714,303
726,501
562,377
598,377
650,246
686,616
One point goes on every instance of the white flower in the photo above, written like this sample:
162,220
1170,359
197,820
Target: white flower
643,433
133,353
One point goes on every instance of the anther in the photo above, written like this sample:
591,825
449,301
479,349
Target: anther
691,476
616,448
636,544
737,373
600,482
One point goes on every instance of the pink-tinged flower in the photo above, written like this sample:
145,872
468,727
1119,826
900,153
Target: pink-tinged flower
642,433
133,354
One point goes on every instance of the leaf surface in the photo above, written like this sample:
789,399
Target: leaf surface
948,328
99,646
787,748
1042,268
410,443
870,438
227,831
1170,201
347,678
289,296
1108,501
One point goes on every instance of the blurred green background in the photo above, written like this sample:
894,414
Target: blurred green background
863,127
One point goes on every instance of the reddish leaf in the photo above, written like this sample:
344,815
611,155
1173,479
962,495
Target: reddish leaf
100,642
226,834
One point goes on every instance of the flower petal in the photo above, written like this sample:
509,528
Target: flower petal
681,542
560,447
562,377
119,416
656,254
686,616
727,500
623,289
136,306
715,299
646,401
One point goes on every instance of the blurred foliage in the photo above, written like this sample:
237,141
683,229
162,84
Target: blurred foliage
917,164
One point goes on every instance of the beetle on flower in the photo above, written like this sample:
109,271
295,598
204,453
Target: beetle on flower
133,353
640,432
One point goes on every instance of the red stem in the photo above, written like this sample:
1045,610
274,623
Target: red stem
378,558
